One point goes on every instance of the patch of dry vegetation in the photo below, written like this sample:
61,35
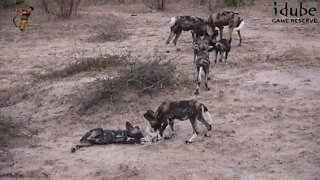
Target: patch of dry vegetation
294,56
112,28
143,78
10,130
12,96
90,64
149,78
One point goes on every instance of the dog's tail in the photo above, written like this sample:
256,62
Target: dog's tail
241,25
75,147
205,113
81,145
172,22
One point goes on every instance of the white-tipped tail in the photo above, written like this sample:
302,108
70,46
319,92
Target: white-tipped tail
199,75
240,26
207,115
172,22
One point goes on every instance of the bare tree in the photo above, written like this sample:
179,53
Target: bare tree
161,4
61,8
155,4
45,5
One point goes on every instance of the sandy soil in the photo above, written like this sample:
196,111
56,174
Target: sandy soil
265,101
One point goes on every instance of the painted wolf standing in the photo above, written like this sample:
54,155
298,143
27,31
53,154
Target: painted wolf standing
198,26
227,18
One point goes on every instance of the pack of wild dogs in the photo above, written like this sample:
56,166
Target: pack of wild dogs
204,34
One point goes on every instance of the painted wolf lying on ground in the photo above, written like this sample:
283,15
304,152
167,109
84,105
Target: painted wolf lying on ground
99,136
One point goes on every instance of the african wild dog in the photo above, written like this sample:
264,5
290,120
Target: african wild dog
167,112
99,136
222,46
227,18
202,61
198,26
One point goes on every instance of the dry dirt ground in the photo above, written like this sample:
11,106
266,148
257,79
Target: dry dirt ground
265,100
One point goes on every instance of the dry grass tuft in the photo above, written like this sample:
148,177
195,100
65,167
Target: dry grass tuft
294,56
13,95
111,29
10,130
90,64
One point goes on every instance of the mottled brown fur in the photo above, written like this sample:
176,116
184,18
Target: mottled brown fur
198,26
167,112
202,61
226,18
100,136
222,47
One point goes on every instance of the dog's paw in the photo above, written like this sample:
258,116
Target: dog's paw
207,134
189,142
73,149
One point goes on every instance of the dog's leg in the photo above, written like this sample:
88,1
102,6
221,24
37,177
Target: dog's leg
177,37
221,32
221,54
208,126
215,60
171,123
164,124
95,136
193,121
171,133
206,74
193,138
199,69
240,39
83,144
226,57
171,35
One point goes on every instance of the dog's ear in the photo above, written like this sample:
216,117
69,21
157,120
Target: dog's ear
149,115
133,132
129,126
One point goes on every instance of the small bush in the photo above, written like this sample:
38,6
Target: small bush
229,3
9,130
110,30
89,64
61,8
13,95
237,3
144,78
11,3
156,4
